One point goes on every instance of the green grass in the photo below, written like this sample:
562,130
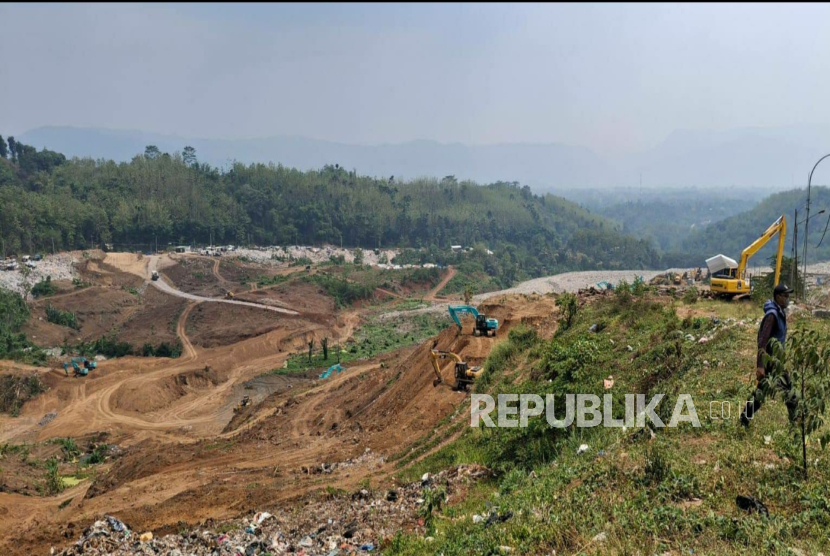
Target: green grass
369,340
675,493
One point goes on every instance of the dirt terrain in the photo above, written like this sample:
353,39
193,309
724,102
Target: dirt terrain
187,455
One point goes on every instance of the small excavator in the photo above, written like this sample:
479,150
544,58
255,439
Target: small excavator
80,366
728,278
483,325
464,374
245,402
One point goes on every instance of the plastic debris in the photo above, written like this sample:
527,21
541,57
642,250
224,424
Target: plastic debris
600,538
582,449
116,524
367,547
146,537
751,504
477,518
608,382
593,328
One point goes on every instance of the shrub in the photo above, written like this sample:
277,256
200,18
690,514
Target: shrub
62,318
44,288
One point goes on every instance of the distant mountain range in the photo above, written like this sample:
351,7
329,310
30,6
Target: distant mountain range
769,158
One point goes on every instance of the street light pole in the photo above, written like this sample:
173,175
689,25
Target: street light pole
807,224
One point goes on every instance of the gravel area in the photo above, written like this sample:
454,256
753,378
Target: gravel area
58,266
573,281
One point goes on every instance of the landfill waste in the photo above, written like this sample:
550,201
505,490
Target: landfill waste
582,449
116,524
344,524
593,328
47,418
608,382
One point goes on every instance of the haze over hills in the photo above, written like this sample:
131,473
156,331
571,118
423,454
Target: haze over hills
766,158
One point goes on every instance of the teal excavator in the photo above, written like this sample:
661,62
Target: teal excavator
80,365
483,325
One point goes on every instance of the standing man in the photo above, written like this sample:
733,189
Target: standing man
773,326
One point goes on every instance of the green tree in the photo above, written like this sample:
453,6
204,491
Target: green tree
12,149
325,344
152,152
4,151
803,367
310,349
189,155
567,303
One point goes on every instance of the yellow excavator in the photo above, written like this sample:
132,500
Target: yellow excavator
464,375
728,278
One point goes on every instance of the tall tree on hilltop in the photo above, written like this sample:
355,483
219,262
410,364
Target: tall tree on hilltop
12,149
4,151
152,152
189,155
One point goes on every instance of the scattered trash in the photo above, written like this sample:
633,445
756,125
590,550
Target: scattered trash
767,439
600,538
477,518
608,382
629,348
582,449
751,504
425,478
593,328
367,547
690,338
495,517
146,537
47,418
306,542
392,496
116,524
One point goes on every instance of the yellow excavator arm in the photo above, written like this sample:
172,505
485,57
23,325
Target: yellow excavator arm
778,227
435,355
734,281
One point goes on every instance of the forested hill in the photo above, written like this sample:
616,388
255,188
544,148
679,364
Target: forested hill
174,198
731,235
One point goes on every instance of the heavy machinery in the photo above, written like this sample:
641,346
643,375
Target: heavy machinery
728,278
229,295
245,402
80,366
464,374
483,325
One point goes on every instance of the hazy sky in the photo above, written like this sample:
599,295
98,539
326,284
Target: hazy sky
612,77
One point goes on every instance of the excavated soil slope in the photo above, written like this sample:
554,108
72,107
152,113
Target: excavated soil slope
188,458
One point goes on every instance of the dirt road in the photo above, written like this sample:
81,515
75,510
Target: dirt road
167,288
431,296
